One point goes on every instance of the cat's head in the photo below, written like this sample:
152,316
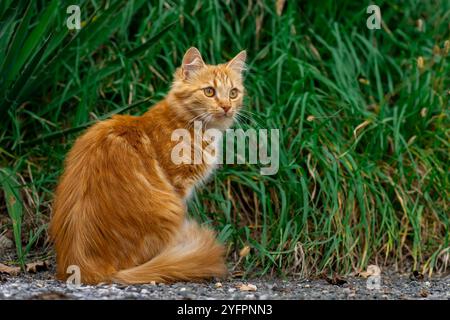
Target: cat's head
212,94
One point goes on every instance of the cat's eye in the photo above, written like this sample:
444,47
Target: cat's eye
209,92
234,93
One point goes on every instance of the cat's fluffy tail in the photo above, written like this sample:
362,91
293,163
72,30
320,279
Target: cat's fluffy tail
193,256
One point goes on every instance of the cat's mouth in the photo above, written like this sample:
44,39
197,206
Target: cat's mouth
223,115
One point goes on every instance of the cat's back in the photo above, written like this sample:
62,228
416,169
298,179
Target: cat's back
108,151
120,131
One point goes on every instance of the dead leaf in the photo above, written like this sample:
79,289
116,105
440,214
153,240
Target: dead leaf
247,287
419,25
314,51
12,271
37,266
416,276
436,50
258,24
364,81
280,6
237,274
361,126
424,293
336,280
244,251
446,46
423,112
372,270
420,62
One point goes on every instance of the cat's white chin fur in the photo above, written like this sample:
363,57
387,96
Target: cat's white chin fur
221,123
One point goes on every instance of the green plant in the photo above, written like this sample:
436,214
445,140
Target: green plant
363,118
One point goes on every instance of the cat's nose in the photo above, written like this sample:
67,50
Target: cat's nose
225,107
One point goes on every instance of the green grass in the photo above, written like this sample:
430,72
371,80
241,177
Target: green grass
364,127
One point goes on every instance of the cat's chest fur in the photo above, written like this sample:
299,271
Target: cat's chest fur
186,153
202,166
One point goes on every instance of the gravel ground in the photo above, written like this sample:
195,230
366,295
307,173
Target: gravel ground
393,286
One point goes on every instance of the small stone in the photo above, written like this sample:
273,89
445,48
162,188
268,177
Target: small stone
347,290
218,285
188,295
231,290
103,291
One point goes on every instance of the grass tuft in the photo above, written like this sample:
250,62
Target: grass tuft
363,118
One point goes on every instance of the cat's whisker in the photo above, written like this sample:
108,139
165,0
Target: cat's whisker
244,118
254,116
192,121
251,120
237,119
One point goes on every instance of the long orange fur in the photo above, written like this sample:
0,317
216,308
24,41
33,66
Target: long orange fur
120,206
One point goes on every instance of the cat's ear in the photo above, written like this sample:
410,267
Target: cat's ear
192,62
238,63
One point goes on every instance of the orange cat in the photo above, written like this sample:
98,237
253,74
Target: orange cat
120,206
